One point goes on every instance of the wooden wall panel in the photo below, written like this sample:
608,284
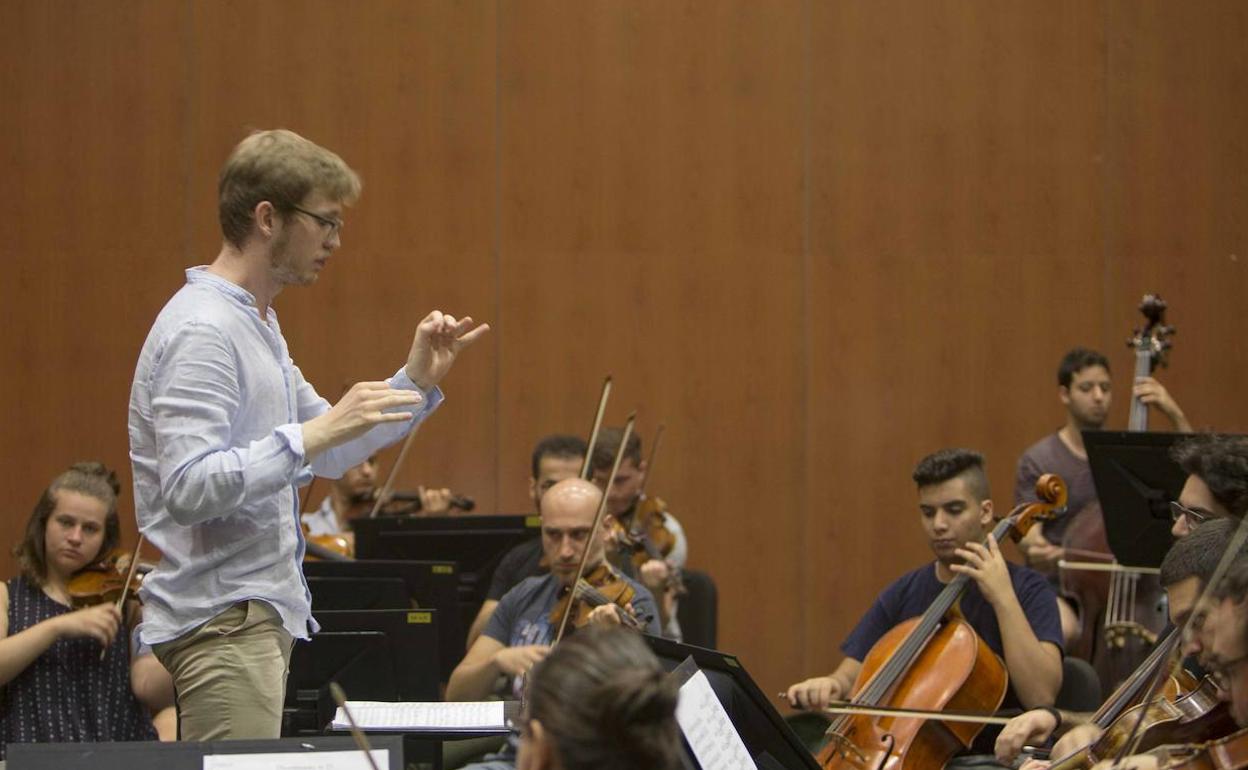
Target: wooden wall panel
91,159
651,229
955,205
1177,183
404,92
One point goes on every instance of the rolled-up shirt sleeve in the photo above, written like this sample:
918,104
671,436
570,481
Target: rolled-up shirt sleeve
195,397
335,461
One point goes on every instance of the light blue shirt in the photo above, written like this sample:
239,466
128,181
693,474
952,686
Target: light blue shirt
217,452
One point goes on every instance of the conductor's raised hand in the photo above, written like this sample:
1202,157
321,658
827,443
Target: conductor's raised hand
439,338
366,404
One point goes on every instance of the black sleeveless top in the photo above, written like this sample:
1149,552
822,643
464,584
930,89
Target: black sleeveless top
68,693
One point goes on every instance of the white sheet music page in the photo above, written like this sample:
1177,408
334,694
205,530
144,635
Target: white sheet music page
715,741
417,716
298,760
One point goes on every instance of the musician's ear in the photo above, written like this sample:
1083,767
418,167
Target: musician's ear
537,752
985,512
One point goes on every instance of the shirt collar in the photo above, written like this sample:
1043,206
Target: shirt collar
200,275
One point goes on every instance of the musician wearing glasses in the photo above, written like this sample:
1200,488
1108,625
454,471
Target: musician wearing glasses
224,429
1217,480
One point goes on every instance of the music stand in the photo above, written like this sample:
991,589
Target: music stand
769,739
429,584
358,593
360,661
1135,481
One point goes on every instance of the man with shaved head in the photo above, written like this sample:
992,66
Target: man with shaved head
520,631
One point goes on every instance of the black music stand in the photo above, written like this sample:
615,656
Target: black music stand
769,739
1135,481
153,755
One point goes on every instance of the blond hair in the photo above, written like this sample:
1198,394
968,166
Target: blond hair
280,167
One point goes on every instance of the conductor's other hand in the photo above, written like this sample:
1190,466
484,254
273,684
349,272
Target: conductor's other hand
366,404
439,338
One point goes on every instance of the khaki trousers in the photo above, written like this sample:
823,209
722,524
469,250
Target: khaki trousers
230,674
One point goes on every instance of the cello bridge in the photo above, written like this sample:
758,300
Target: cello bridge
845,746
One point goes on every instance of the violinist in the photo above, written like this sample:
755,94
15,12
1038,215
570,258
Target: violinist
224,429
600,700
555,458
352,496
57,688
1185,571
1084,388
520,632
624,500
1217,481
1012,608
1223,634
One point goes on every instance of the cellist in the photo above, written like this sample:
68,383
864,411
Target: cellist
1187,568
1012,608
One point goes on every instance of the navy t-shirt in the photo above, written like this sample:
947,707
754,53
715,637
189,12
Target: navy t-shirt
911,594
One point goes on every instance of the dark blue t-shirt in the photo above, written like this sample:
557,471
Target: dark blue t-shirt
911,594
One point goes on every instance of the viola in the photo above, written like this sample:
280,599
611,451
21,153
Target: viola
931,663
602,586
1120,609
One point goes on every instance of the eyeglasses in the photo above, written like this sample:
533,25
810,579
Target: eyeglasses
1195,518
331,225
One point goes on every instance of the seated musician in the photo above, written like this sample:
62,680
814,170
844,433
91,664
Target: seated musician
623,500
1012,608
555,458
353,495
520,632
1217,481
600,700
1222,636
1184,572
56,687
1084,387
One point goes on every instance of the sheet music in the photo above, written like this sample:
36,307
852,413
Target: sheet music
428,716
706,726
297,760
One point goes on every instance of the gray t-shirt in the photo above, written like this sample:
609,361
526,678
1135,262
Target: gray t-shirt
521,617
1051,455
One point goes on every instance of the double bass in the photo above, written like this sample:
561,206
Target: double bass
1121,610
935,662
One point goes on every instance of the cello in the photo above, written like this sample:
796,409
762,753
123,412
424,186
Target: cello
934,662
1121,609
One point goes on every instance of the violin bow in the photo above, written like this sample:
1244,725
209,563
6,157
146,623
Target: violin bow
654,452
388,487
587,464
593,532
361,741
1233,548
125,587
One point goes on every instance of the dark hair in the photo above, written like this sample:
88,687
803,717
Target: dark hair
92,479
1222,463
559,445
1197,554
609,443
606,703
945,464
1076,361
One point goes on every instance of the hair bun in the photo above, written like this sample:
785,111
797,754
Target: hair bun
99,469
637,697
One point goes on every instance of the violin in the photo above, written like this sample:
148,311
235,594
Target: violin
932,663
1228,753
647,537
328,547
602,586
106,579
